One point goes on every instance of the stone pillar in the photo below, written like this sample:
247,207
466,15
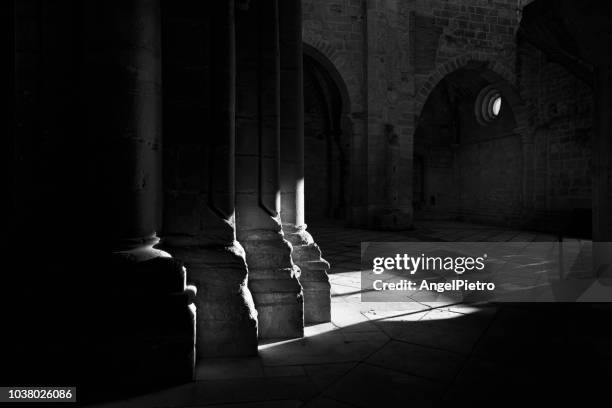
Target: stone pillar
306,253
10,217
141,309
8,120
387,201
273,278
528,175
602,173
199,228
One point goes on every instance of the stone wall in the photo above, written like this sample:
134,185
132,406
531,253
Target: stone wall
461,175
561,107
391,55
489,165
336,29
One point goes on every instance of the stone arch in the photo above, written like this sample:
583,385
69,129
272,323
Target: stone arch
333,92
500,75
496,75
332,62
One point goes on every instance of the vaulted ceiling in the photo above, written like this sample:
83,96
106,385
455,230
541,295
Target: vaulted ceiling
576,34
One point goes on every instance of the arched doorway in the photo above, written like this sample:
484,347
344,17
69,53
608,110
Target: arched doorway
326,139
468,154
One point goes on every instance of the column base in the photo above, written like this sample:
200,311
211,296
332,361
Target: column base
141,328
227,319
273,281
314,279
602,262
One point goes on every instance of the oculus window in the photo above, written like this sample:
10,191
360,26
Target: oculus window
489,104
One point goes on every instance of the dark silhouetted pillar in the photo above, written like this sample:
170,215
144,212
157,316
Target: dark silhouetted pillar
142,309
273,278
306,253
199,219
602,172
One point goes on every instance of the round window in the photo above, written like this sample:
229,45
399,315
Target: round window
488,105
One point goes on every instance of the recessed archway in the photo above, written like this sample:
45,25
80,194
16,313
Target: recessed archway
326,138
468,148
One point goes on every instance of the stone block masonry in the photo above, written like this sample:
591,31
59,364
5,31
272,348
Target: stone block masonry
391,55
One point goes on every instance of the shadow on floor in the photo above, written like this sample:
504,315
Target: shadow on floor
437,356
384,354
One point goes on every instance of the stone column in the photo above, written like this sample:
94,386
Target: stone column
8,119
528,175
306,253
273,278
199,219
142,309
602,173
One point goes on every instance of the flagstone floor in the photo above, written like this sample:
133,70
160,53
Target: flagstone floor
401,353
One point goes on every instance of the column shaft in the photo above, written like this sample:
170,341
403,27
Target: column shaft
199,220
273,278
124,119
305,253
602,173
602,156
140,302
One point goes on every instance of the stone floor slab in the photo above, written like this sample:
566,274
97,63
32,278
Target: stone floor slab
420,361
370,386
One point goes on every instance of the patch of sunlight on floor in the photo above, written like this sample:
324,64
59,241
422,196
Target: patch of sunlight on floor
348,312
